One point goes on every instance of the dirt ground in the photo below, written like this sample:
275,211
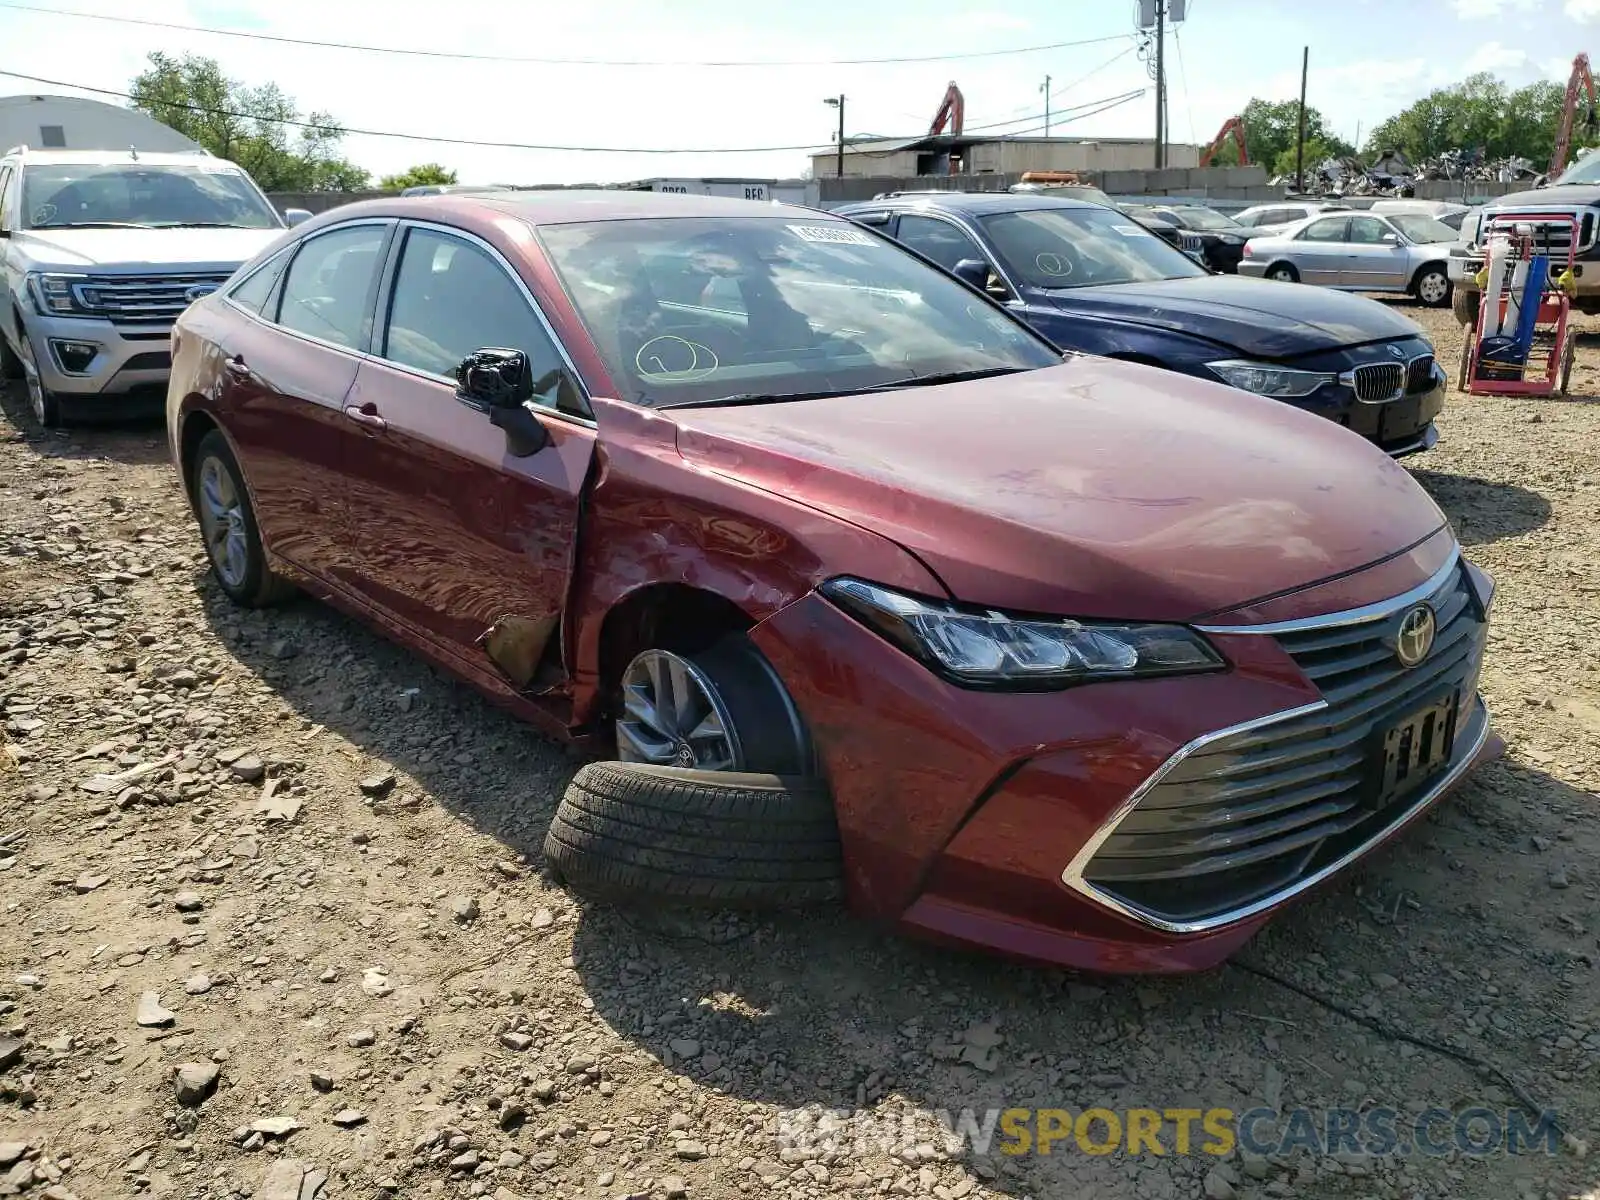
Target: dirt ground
277,851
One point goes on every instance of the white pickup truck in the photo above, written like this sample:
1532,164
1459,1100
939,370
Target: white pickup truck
102,250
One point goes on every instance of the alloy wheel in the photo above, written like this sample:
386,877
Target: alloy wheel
37,401
222,522
672,716
1432,288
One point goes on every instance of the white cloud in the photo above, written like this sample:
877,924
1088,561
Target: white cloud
1583,10
1476,10
1495,57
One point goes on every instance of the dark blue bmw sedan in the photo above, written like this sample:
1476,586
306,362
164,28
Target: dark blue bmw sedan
1093,279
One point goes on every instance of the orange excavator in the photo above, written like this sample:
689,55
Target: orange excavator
952,112
1233,126
1569,110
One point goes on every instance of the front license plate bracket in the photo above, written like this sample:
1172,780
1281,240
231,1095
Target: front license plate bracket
1415,748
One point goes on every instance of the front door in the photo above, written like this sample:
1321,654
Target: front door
1372,262
456,536
284,389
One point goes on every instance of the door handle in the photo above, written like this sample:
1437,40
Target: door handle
237,367
366,414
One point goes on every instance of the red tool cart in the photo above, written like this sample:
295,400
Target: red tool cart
1545,363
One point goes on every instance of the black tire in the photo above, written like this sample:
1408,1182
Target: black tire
10,364
632,831
1465,306
1427,279
44,404
1283,273
259,587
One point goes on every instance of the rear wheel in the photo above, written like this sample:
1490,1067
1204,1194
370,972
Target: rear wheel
1283,273
228,525
1432,286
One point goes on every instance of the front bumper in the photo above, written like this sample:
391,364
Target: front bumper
1018,823
123,358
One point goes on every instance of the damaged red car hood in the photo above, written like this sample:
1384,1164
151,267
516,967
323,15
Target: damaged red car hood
1092,489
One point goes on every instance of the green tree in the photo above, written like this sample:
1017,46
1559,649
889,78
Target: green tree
1270,129
1480,112
420,175
247,125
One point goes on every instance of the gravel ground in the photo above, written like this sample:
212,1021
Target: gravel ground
275,921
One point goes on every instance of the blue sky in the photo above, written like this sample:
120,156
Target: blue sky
1368,59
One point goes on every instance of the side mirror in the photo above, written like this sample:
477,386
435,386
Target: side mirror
500,382
973,272
296,216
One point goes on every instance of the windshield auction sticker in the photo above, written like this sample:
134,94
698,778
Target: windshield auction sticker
830,233
1131,231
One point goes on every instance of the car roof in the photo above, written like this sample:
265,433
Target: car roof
566,206
133,158
976,203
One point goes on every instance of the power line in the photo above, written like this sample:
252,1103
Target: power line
1183,81
463,56
455,141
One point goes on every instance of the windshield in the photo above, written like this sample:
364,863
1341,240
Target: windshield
1585,170
1423,229
1192,216
61,195
1082,247
695,310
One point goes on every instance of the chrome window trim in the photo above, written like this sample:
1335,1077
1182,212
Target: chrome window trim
381,320
1073,875
293,249
1353,616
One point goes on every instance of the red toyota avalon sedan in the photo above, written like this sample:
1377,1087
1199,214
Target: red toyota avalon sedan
1100,665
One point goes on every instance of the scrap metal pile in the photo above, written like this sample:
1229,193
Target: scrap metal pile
1390,174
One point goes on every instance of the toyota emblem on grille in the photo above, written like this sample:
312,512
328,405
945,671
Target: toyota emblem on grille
1414,638
199,290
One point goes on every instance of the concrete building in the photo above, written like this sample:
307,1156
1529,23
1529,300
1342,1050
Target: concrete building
979,155
788,191
71,123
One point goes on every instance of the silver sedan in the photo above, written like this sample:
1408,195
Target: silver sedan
1359,252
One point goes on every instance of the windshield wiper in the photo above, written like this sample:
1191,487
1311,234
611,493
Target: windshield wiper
93,225
739,398
892,385
205,225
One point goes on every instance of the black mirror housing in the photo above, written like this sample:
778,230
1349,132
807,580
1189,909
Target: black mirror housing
973,272
495,377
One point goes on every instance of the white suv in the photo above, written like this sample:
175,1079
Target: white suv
103,249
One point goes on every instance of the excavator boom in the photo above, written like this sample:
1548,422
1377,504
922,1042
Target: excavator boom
1233,126
1569,110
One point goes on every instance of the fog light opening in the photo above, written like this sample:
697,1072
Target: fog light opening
74,357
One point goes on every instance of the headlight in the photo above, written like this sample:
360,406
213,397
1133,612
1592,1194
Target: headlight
53,293
990,649
1264,379
1231,239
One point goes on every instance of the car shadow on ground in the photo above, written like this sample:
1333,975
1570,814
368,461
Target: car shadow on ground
1484,510
814,1011
138,438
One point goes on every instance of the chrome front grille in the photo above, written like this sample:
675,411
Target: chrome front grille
1250,814
1549,237
1375,383
1192,243
143,299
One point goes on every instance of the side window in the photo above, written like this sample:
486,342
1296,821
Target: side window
1329,229
451,298
328,290
255,290
1367,230
939,240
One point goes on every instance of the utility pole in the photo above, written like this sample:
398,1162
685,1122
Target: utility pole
838,102
1046,90
1300,136
1161,84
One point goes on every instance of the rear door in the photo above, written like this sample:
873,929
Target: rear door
1370,261
1320,250
455,535
305,320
